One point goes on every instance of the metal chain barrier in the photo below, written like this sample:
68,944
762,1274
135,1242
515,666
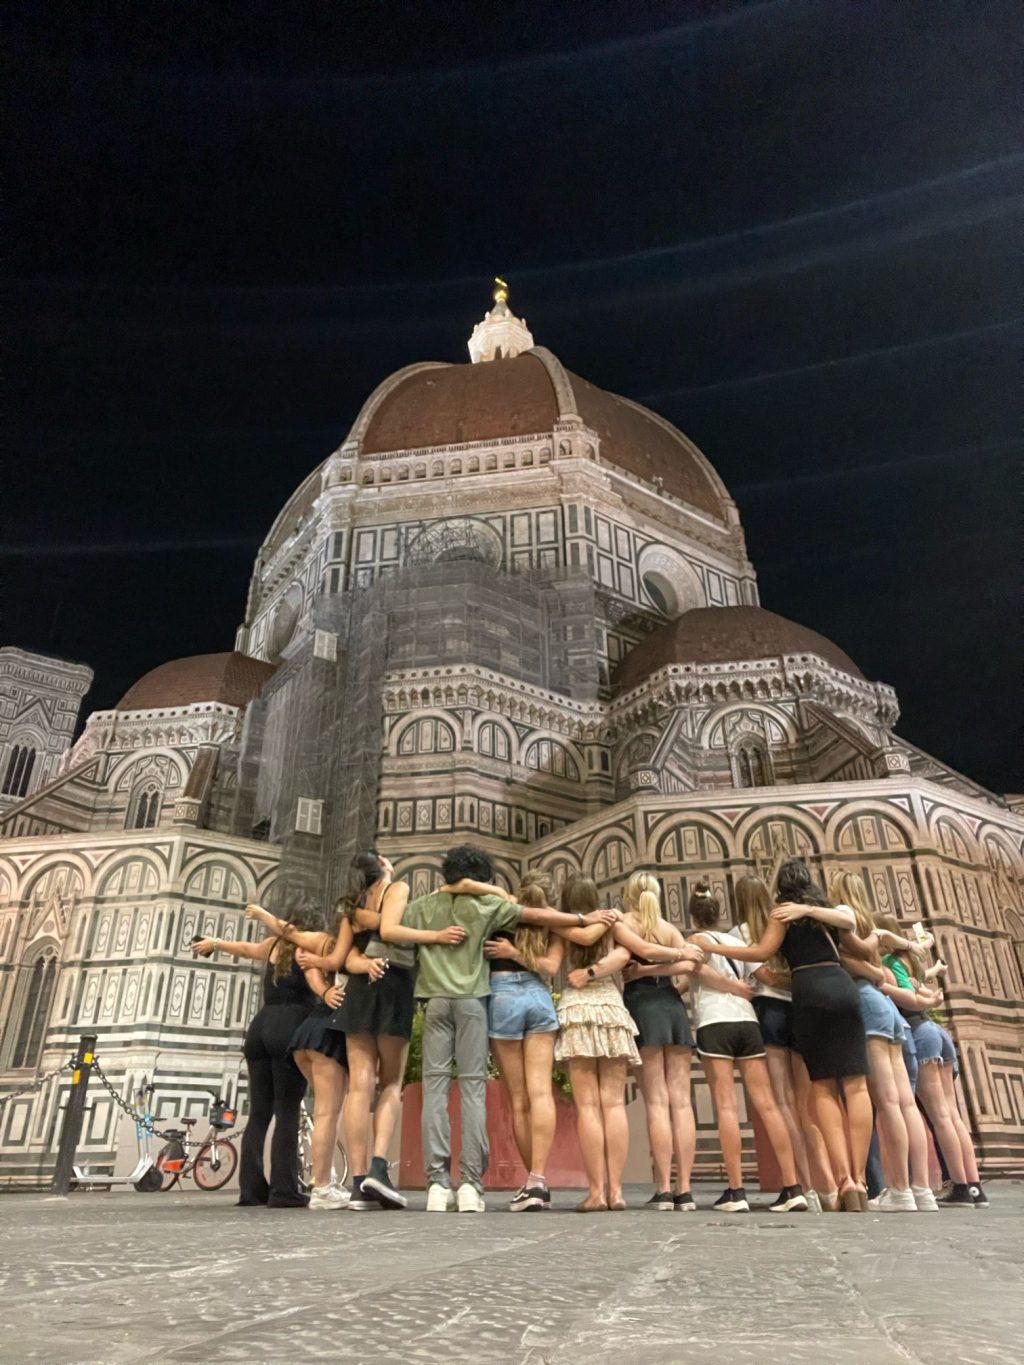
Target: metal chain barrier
144,1121
37,1084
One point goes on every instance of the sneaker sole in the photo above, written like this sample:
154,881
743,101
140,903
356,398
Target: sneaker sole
363,1205
790,1206
684,1208
661,1208
733,1208
393,1198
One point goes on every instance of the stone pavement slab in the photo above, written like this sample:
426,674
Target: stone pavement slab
182,1277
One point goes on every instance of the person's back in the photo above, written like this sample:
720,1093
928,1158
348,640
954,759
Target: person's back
457,971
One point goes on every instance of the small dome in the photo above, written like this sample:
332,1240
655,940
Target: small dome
231,678
718,635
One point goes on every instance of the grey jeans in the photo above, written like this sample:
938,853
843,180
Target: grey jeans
455,1031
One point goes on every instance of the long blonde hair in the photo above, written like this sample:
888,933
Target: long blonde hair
847,888
532,940
642,897
754,909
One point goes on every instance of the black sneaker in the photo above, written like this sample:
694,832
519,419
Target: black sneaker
684,1203
359,1202
979,1196
791,1200
378,1183
531,1199
959,1197
662,1202
732,1201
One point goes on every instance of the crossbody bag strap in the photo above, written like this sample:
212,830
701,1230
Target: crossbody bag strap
735,970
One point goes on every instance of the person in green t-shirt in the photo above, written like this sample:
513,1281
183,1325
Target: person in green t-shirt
455,982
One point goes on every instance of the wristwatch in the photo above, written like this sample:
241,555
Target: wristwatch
591,973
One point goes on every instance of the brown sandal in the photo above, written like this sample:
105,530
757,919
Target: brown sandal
849,1201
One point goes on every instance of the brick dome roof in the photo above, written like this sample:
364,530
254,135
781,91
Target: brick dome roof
717,635
231,678
438,405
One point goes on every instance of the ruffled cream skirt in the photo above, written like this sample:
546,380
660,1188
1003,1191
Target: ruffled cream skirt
595,1023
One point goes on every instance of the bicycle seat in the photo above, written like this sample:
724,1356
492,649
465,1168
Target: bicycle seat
189,1123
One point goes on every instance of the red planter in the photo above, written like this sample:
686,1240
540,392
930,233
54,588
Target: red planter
505,1170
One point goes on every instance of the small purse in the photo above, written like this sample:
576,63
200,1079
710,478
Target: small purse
401,955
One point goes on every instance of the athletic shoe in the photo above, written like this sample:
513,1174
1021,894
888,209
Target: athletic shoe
959,1197
663,1202
440,1199
732,1201
470,1199
531,1199
684,1203
791,1200
328,1197
813,1201
378,1183
924,1199
894,1201
979,1196
358,1201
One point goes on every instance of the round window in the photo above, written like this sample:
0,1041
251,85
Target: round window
661,593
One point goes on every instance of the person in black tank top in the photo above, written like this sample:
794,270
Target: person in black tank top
827,1025
276,1085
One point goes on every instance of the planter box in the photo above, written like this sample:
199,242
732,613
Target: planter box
505,1170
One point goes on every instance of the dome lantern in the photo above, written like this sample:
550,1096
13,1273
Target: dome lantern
500,335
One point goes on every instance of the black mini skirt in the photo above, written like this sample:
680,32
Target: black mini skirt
377,1007
315,1034
658,1012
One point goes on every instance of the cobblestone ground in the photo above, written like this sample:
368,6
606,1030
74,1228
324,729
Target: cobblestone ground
129,1277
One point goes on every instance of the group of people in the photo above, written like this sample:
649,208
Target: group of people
823,1008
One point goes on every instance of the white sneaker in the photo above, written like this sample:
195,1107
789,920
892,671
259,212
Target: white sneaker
343,1192
470,1199
813,1202
328,1197
440,1199
895,1201
924,1198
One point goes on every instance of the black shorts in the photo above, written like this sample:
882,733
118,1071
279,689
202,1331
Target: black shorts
732,1038
658,1012
775,1018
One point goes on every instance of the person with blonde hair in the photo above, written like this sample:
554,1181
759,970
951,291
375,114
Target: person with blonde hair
902,1135
653,996
791,1085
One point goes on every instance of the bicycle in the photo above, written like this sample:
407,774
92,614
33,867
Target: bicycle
216,1156
306,1153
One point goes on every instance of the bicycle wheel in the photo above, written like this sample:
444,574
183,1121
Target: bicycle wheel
168,1179
215,1164
305,1158
340,1163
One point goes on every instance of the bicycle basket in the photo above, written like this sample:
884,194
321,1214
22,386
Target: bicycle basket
222,1114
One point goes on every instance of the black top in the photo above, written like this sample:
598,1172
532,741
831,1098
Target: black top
360,941
506,964
291,989
807,942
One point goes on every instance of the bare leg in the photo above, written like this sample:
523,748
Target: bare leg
917,1135
757,1081
611,1078
822,1178
684,1127
329,1084
392,1052
511,1063
589,1121
718,1071
539,1054
780,1072
654,1088
861,1121
966,1141
828,1110
885,1095
362,1070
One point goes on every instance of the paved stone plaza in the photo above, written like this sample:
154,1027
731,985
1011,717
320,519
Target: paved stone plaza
124,1277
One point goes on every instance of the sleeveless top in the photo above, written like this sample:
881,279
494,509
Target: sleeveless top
808,943
507,964
291,989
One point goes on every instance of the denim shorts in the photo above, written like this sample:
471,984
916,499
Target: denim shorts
519,1003
881,1017
934,1044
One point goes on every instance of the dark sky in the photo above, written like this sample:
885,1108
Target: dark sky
787,226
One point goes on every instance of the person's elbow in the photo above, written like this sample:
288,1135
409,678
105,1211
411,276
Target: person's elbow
390,933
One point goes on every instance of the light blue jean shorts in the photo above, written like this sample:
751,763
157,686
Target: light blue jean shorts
519,1003
881,1017
934,1044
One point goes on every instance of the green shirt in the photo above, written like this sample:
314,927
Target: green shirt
462,969
899,971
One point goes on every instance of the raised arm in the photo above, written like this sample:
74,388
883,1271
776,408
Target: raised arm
555,919
766,946
392,930
838,916
312,940
206,947
466,886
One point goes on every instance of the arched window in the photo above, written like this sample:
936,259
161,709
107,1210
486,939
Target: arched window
750,766
19,770
28,1024
493,740
144,809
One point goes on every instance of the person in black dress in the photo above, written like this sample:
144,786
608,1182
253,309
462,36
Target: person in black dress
276,1085
827,1026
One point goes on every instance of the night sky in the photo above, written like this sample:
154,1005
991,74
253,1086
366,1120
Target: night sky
789,227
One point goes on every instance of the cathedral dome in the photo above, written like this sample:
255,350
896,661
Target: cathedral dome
716,635
438,405
233,678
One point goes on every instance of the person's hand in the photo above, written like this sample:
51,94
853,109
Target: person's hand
388,866
578,977
631,971
924,943
205,947
605,917
743,989
939,967
887,938
306,959
786,914
500,947
450,936
334,996
253,911
378,966
611,910
692,952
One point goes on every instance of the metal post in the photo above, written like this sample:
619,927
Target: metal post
74,1113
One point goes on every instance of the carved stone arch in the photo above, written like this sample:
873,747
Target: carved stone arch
561,757
670,582
484,734
31,1003
67,876
434,727
844,832
220,878
560,864
124,774
952,835
120,875
421,871
720,717
685,840
998,851
610,857
799,834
